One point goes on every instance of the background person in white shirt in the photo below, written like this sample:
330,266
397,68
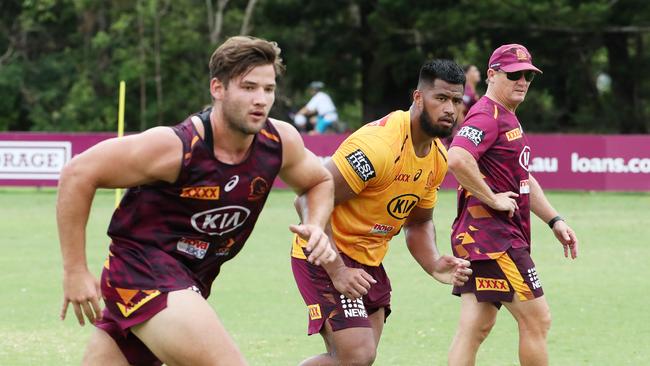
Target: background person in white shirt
319,111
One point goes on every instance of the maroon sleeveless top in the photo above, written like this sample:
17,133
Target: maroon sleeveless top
174,236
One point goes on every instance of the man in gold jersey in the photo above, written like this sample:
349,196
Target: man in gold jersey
386,177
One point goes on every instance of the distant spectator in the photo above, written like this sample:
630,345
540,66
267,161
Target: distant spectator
472,77
320,113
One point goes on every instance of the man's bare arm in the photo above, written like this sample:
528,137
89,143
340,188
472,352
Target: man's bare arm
121,162
467,173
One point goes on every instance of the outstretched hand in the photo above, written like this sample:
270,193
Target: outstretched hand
567,237
452,270
318,244
83,291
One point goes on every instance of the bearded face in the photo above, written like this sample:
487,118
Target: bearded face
435,129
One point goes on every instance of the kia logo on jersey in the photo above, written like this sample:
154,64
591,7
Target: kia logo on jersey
524,157
220,220
400,206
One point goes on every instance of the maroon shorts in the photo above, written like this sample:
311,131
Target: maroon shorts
125,308
325,302
498,280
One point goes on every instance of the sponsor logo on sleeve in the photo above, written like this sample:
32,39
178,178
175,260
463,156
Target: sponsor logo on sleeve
314,312
361,165
513,134
473,134
201,193
193,247
524,186
492,284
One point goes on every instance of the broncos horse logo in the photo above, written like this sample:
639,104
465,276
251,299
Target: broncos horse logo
259,188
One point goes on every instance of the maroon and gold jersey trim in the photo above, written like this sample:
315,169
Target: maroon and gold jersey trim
269,135
127,295
509,268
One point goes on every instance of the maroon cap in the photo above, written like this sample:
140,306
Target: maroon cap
512,57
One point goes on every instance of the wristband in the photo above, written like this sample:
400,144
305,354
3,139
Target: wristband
554,220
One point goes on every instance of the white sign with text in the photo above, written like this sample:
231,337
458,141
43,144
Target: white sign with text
33,159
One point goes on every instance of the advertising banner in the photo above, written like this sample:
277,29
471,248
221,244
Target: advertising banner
558,161
36,159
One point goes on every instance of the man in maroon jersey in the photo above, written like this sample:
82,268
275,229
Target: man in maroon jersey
195,192
489,157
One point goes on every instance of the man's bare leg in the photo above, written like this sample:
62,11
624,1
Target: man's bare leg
476,321
188,332
351,346
534,321
102,350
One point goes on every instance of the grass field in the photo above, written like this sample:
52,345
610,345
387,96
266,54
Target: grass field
599,302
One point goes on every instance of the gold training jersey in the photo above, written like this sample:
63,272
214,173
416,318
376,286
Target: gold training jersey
379,164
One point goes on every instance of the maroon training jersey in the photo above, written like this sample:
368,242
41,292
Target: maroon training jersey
494,137
174,236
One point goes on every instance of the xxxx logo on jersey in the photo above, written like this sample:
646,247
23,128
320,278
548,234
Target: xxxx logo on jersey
201,193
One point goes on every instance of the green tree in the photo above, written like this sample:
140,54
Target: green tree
61,60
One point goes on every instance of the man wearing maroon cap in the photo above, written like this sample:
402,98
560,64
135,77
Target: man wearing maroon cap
489,157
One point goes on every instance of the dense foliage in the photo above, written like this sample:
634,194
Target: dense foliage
61,60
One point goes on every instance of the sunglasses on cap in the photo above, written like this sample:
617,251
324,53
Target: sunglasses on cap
529,75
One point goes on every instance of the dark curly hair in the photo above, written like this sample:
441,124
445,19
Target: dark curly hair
446,70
